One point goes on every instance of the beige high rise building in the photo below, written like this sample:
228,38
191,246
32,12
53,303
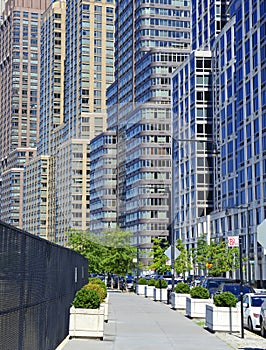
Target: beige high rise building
40,172
19,99
68,125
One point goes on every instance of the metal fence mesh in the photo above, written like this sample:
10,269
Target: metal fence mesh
38,281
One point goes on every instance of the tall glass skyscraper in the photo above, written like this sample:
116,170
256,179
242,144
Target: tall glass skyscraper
152,39
240,113
237,47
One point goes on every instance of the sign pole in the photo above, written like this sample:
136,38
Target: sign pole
236,241
241,286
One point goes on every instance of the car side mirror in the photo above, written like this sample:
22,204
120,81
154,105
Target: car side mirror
245,305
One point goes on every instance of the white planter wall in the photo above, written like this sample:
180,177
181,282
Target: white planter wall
140,289
196,307
160,294
148,291
86,322
178,300
105,305
225,319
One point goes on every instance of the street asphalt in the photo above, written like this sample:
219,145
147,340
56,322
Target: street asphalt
137,323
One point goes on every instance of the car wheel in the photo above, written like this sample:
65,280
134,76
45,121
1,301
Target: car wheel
250,325
262,330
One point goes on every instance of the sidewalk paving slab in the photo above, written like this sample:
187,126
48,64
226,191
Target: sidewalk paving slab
137,323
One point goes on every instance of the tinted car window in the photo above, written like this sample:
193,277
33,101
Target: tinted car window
257,301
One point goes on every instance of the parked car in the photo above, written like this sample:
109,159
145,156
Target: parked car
169,281
235,289
212,283
130,283
263,319
251,310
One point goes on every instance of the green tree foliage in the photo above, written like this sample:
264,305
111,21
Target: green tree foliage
119,254
159,258
201,254
110,251
218,254
88,245
183,261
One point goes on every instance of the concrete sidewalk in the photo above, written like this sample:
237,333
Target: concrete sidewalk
136,323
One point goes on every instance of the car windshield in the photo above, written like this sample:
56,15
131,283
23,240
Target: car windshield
257,300
235,289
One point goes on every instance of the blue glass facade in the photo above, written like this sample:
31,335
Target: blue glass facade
238,110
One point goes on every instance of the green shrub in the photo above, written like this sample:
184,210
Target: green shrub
182,288
101,291
161,283
142,281
151,282
86,299
96,280
225,299
199,292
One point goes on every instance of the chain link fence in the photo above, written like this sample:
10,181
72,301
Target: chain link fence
38,281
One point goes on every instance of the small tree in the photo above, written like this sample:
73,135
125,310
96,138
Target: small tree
223,258
201,253
84,243
119,253
183,261
159,258
216,256
110,251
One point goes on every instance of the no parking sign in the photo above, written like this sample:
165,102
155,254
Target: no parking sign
233,241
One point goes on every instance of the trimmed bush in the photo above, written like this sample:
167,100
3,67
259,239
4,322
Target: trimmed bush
161,284
142,281
86,299
96,280
225,299
182,288
199,292
151,282
102,292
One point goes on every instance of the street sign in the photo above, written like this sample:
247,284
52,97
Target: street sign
168,253
233,241
261,233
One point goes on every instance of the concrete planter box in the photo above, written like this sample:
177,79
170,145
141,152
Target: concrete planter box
148,291
226,319
196,307
106,308
178,300
140,289
160,294
88,323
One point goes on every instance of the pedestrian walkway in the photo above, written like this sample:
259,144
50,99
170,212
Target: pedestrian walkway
137,323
